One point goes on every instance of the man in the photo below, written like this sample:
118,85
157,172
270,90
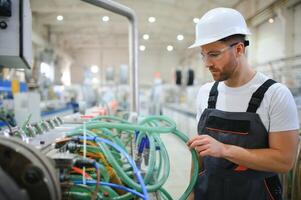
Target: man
247,129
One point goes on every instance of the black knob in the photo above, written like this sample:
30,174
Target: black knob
33,175
3,25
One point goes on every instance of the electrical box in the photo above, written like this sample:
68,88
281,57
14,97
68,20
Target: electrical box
15,34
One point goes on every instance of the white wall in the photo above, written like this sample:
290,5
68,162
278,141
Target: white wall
297,29
268,42
271,42
281,39
150,61
157,60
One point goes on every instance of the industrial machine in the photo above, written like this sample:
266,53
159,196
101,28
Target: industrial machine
105,157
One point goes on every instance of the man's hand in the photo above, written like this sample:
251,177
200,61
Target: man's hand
191,196
205,145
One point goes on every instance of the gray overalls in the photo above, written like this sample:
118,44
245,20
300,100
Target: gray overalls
221,179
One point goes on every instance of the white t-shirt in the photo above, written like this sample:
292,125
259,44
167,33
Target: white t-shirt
277,110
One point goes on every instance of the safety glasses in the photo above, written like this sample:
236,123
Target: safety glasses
216,55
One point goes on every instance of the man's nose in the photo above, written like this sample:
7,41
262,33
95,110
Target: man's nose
208,64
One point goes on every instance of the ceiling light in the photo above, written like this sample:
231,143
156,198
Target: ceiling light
94,69
105,18
151,19
59,18
169,48
145,36
271,20
196,20
142,48
180,37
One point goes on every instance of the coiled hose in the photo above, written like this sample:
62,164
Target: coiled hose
151,127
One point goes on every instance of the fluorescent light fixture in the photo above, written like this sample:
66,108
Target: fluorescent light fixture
105,18
142,48
151,19
271,20
94,69
196,20
169,48
145,36
180,37
59,18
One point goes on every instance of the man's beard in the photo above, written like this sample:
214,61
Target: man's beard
227,72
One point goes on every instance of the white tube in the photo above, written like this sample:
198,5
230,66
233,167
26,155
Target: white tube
85,152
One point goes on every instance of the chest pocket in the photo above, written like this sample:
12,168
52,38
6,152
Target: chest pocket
229,131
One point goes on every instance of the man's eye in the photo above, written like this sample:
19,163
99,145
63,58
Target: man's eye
214,55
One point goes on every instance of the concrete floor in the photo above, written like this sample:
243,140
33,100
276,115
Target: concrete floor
180,164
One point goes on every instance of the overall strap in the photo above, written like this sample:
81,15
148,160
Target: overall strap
258,95
213,95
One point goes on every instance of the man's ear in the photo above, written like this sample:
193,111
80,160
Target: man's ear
240,49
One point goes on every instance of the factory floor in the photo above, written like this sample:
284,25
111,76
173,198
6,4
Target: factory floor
180,164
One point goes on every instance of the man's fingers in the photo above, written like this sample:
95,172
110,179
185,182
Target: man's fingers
199,142
204,153
202,148
193,139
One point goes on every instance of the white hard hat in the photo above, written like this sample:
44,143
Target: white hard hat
219,23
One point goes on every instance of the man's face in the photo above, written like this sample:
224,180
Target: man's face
220,59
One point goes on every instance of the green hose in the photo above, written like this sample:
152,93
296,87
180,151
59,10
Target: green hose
167,126
106,133
165,194
111,118
83,192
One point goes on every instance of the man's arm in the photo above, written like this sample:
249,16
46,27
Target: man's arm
279,157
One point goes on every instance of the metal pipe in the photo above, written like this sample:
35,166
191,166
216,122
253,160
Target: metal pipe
133,44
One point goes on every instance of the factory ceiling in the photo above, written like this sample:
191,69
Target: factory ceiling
86,26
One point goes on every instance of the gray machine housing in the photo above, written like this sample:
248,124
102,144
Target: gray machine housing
15,38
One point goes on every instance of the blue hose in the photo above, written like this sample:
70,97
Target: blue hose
132,163
121,187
